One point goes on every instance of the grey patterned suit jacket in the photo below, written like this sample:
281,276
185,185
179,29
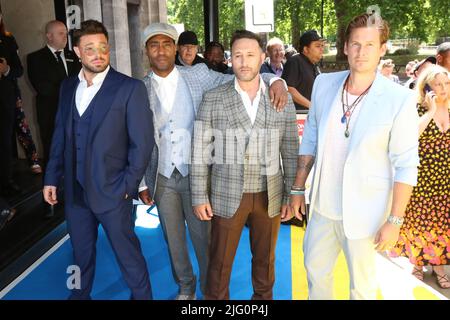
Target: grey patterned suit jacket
222,111
199,79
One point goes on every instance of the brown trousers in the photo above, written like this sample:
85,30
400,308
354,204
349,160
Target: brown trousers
225,235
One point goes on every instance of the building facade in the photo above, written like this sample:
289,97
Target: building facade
124,20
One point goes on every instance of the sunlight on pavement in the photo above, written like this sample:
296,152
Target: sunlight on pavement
393,275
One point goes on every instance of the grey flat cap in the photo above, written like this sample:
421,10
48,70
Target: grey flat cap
158,28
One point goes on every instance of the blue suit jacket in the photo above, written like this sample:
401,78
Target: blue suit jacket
120,141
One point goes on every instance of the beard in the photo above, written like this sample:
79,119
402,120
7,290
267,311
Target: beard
95,69
247,76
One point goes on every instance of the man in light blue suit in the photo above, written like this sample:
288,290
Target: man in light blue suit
361,135
175,93
102,143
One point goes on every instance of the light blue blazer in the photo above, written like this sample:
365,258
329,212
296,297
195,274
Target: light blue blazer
383,149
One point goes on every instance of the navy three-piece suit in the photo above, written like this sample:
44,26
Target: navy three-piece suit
102,156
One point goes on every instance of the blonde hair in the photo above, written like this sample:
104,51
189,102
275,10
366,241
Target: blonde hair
365,20
428,75
388,63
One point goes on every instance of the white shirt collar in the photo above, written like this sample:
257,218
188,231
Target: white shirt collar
53,50
172,77
261,89
98,78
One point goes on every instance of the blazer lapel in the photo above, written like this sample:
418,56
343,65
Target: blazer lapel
236,113
261,114
264,125
368,108
69,100
328,100
51,59
69,56
103,100
151,92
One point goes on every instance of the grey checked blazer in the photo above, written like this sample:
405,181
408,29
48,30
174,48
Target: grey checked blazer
199,79
220,182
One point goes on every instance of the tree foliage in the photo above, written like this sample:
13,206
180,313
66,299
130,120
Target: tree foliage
425,20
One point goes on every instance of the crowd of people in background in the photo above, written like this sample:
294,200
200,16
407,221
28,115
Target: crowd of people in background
394,132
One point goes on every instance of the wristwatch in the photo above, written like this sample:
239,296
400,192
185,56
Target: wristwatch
395,220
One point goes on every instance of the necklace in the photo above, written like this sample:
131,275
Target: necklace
347,110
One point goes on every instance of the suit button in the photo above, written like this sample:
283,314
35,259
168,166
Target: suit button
171,132
173,163
173,142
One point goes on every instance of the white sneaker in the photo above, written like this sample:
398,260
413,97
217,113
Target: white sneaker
186,297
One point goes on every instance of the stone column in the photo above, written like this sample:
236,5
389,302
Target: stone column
162,10
92,9
108,22
121,36
157,10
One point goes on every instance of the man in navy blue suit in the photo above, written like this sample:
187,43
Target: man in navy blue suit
101,145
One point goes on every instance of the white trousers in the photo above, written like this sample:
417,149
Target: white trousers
324,239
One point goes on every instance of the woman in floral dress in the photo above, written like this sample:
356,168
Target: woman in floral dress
425,235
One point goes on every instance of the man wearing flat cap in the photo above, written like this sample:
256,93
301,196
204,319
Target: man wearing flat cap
301,70
188,49
175,93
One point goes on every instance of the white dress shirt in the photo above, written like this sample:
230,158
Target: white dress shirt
85,93
63,58
329,195
251,106
165,88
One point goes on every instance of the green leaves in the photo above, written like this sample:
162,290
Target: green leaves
421,19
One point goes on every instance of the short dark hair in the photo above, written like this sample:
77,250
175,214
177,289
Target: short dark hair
245,34
89,27
213,44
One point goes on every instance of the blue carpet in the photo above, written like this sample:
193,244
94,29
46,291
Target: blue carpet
48,280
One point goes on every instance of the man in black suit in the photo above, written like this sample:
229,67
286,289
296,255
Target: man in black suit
47,68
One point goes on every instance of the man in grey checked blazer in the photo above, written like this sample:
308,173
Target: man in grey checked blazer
236,172
175,93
